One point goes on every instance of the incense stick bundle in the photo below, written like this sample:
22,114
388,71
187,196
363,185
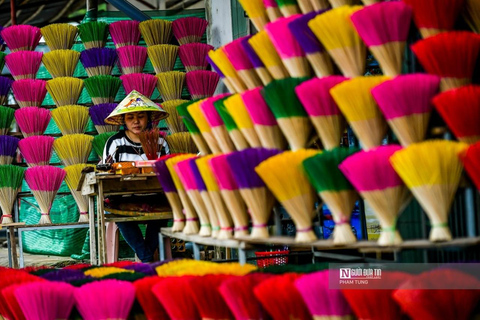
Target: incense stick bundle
23,64
144,83
61,63
322,110
65,91
6,119
59,36
320,4
152,142
334,189
193,128
263,120
73,148
266,51
384,29
288,7
8,149
194,56
373,176
99,113
170,84
156,31
292,54
201,83
196,113
254,192
236,108
340,3
227,82
93,34
233,131
470,159
189,29
221,61
272,9
37,150
99,142
260,68
406,104
287,109
29,93
132,59
162,57
181,142
240,61
32,121
471,14
432,171
256,12
335,31
10,184
174,121
103,88
98,61
5,85
72,178
71,119
450,55
21,37
354,99
284,177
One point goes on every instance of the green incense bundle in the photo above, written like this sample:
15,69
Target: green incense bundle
233,131
2,60
335,190
192,127
99,142
6,118
102,88
10,184
288,110
93,34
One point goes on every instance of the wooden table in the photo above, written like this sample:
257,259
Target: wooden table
98,185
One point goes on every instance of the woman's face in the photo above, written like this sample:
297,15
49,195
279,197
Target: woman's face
136,122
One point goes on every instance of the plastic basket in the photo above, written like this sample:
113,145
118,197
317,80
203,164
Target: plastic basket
278,258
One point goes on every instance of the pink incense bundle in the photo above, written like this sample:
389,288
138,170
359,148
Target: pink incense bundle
142,82
219,130
384,29
208,299
105,299
264,122
406,104
240,61
272,9
132,59
371,173
24,64
21,37
37,150
194,56
202,83
293,57
29,92
32,121
322,110
450,55
44,182
152,308
124,33
189,29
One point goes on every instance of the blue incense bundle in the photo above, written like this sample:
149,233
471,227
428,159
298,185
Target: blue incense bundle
5,85
98,113
98,61
259,66
8,149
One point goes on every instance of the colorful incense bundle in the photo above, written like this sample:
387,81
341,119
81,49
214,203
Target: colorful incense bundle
371,173
384,29
470,13
152,142
237,110
65,91
460,108
162,57
292,54
32,121
273,12
93,34
189,29
21,37
283,175
223,175
235,134
201,83
106,299
322,110
124,33
194,56
5,85
258,198
314,50
99,142
23,64
288,7
215,122
29,93
132,59
331,305
99,113
260,68
174,121
197,115
354,99
11,183
335,190
61,63
215,68
71,119
73,148
98,61
265,50
432,171
37,150
287,109
151,306
181,142
191,224
192,128
406,104
240,61
102,89
337,34
255,10
263,120
156,31
450,55
44,182
144,83
170,85
72,178
220,59
8,149
174,295
6,119
59,36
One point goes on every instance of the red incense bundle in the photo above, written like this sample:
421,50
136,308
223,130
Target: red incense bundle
208,300
152,308
471,162
240,61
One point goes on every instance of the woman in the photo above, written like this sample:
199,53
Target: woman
125,146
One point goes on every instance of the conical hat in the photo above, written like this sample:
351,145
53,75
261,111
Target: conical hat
135,102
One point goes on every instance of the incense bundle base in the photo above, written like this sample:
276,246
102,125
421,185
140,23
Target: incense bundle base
305,6
298,67
177,210
330,129
224,219
249,77
321,64
341,205
296,130
211,142
452,83
7,197
223,139
191,223
303,222
212,214
264,75
260,204
410,129
236,208
251,137
201,144
350,60
271,137
390,57
370,132
273,13
238,139
199,205
320,4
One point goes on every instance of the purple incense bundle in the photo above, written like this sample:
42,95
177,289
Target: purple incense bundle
29,92
5,85
144,268
8,149
99,113
257,63
24,64
142,82
194,56
241,62
98,61
64,275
